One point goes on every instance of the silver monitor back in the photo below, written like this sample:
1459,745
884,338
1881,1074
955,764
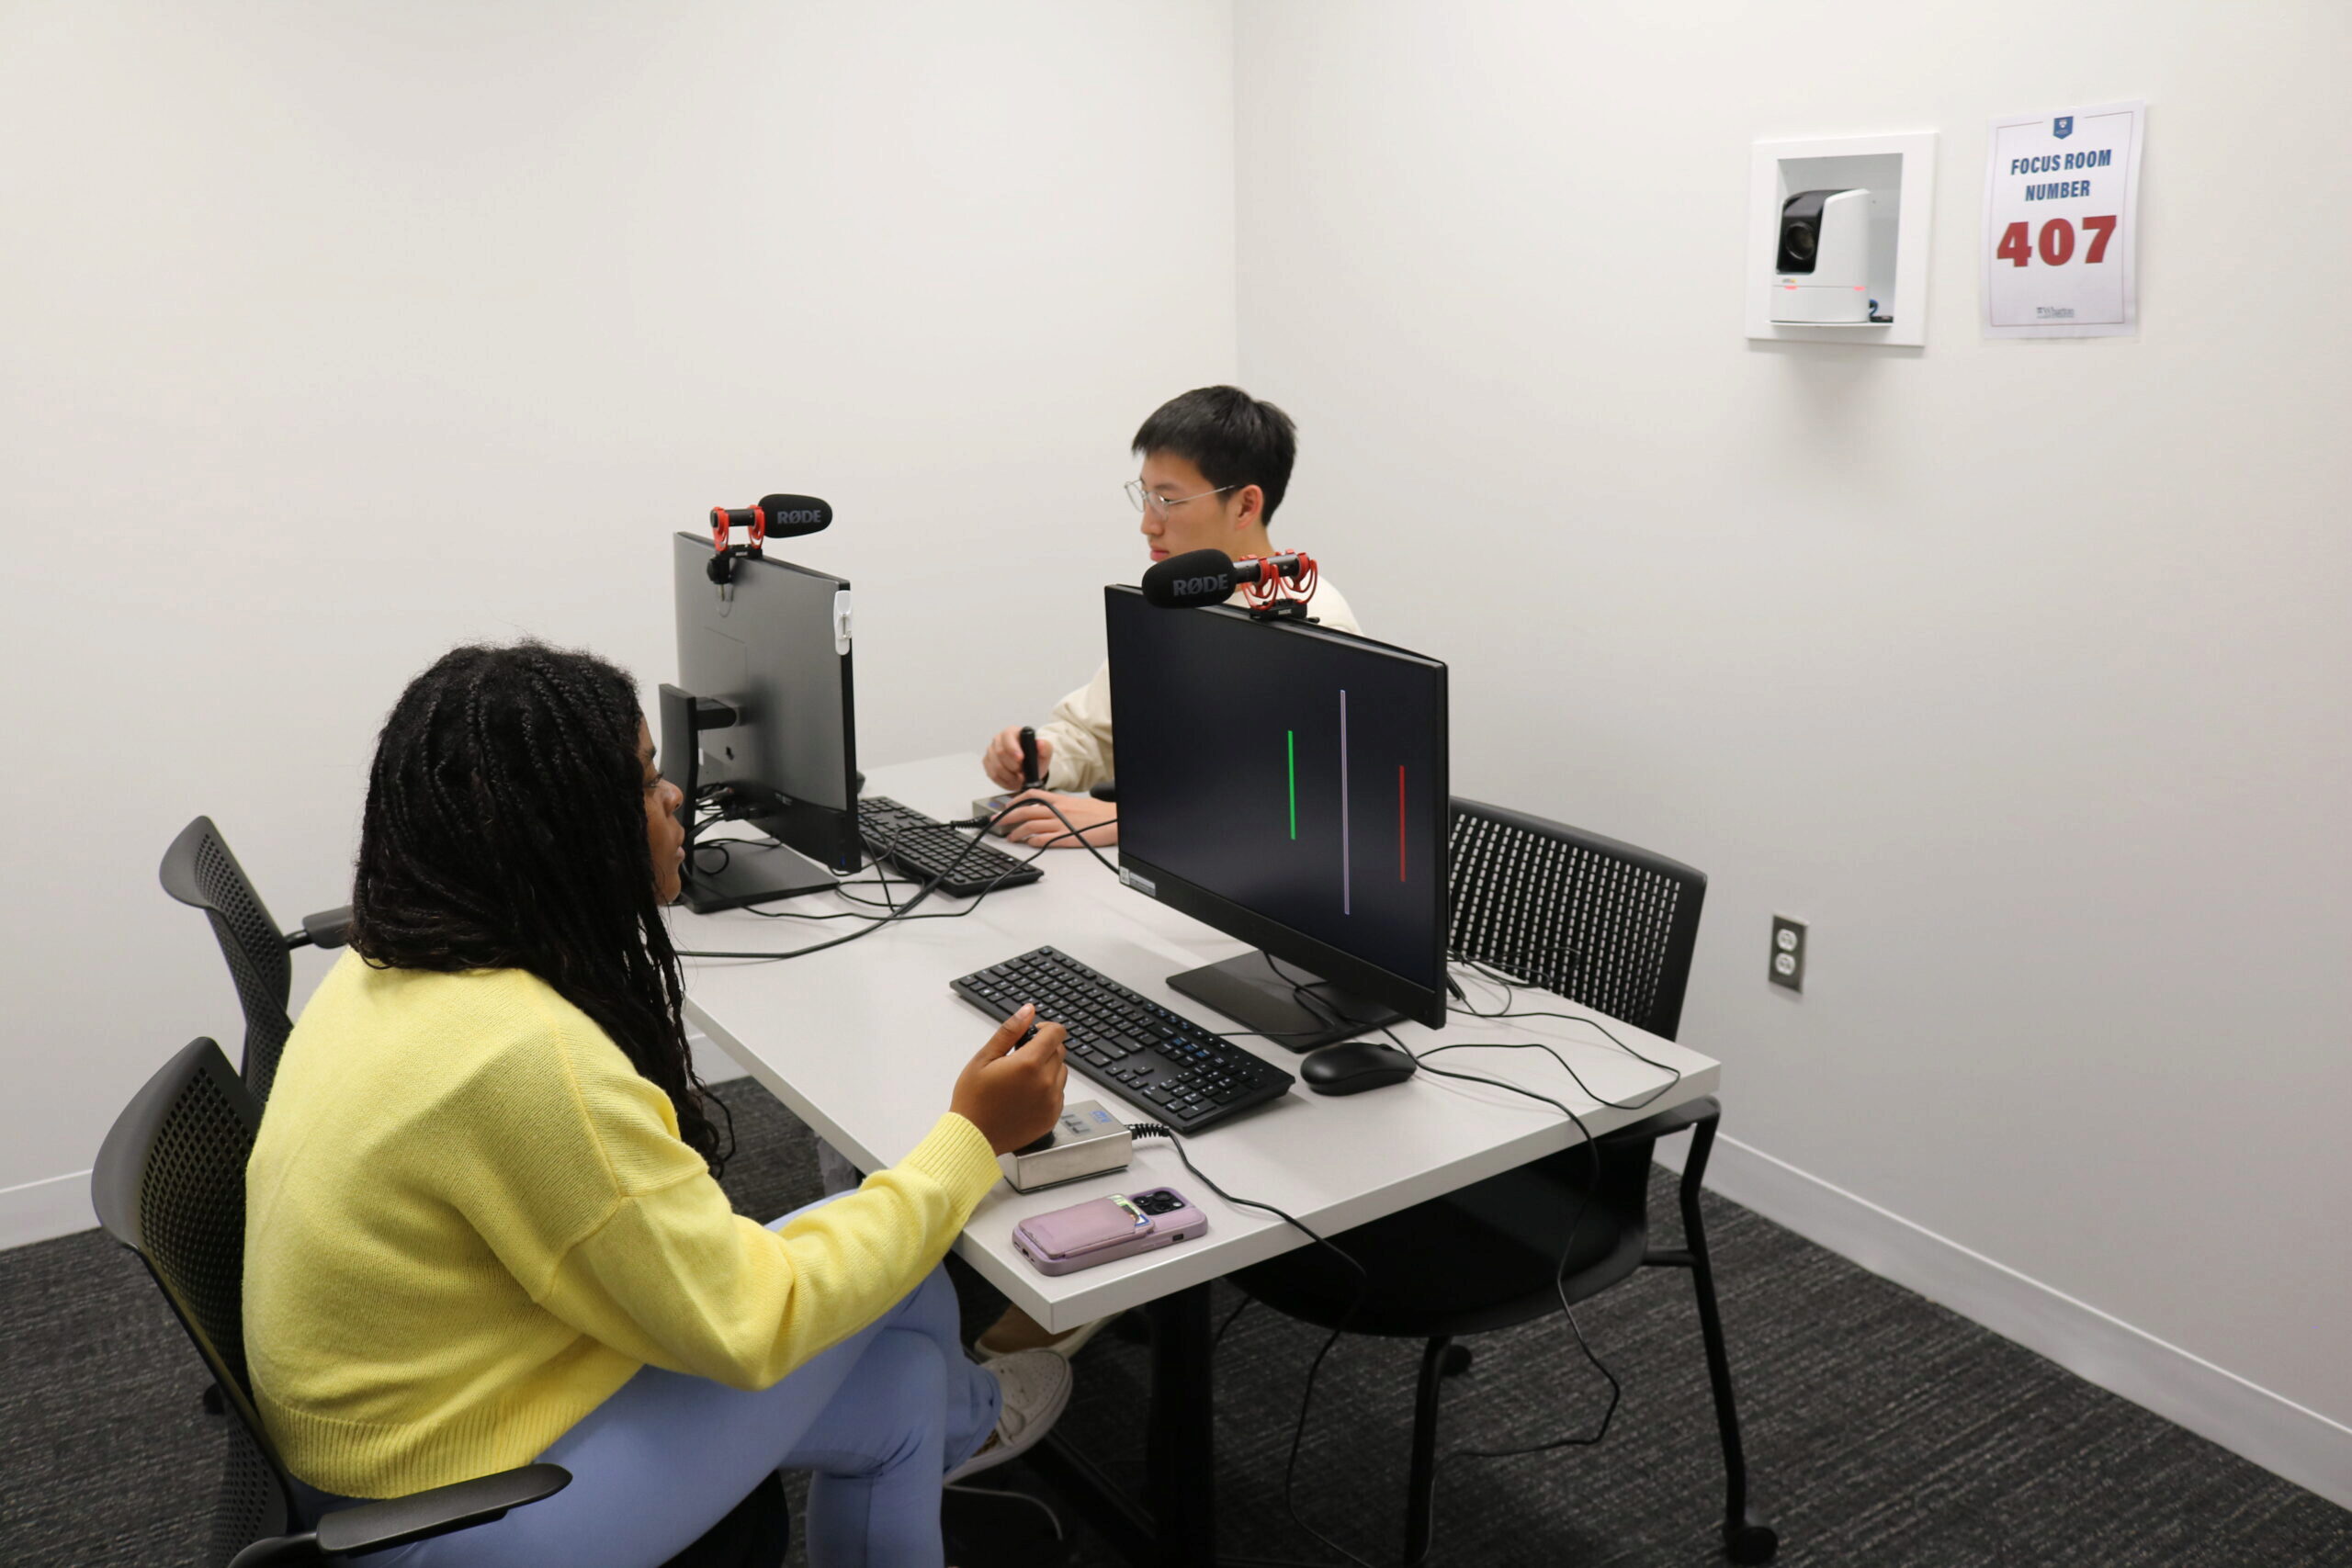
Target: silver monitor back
774,645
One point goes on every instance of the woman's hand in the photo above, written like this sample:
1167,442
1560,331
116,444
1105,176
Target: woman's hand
1013,1096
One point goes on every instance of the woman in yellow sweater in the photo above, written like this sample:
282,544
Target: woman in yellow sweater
483,1226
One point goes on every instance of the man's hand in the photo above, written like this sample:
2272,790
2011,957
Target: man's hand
1013,1096
1034,824
1002,760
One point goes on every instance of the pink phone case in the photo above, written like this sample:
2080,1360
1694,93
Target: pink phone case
1104,1229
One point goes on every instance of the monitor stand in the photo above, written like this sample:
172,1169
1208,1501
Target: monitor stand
1266,1000
755,872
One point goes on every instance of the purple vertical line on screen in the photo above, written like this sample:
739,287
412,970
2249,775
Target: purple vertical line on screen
1347,898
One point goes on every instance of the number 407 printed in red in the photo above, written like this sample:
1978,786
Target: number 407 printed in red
2057,243
2062,192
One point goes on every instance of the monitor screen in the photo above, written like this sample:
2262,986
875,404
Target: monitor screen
1287,784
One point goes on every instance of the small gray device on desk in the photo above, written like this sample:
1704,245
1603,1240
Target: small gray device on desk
1087,1141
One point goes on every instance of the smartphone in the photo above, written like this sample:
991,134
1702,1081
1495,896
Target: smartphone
1103,1230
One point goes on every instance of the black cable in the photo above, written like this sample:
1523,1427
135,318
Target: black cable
1075,831
1511,990
1300,993
928,888
1674,1074
841,888
1306,1397
905,911
1559,1275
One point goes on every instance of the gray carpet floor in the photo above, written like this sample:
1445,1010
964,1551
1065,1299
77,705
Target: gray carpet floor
1883,1431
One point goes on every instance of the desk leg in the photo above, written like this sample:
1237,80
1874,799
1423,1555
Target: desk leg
1178,1527
1182,1442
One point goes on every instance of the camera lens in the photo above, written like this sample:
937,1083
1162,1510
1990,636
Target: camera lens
1799,243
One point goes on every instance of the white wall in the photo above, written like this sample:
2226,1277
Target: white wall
2022,669
338,334
334,335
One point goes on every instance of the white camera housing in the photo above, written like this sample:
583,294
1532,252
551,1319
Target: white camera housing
1823,260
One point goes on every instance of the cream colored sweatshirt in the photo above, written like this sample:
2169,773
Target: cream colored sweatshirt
1080,726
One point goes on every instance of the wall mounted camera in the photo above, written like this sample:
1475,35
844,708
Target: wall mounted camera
1837,240
1822,270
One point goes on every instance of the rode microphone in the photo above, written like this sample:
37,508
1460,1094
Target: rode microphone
1210,576
786,516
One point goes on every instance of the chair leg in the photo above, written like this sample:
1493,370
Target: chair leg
1746,1538
1420,1480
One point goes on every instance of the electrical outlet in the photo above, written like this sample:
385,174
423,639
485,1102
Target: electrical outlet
1788,954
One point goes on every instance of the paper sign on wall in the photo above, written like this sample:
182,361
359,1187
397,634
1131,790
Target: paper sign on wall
2061,202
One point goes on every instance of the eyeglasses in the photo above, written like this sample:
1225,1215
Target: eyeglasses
1158,505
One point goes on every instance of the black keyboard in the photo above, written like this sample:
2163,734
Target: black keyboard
1181,1073
924,846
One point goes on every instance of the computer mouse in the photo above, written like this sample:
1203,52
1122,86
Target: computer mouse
1353,1065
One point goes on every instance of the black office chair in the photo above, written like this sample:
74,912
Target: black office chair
170,1185
1610,927
198,868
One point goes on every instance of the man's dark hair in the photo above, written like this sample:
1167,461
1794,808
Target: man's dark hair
1233,438
505,829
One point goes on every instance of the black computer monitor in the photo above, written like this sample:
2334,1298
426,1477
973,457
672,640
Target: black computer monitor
762,716
1286,785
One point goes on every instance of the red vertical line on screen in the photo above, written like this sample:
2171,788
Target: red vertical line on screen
1347,895
1400,822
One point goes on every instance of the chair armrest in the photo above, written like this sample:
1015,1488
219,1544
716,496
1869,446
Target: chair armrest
372,1527
328,928
375,1527
1682,1117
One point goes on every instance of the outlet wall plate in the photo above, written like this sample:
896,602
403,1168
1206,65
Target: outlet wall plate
1787,965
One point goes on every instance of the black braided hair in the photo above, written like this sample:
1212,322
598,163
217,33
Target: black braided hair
505,829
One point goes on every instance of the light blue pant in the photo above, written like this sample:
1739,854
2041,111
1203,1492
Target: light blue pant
879,1418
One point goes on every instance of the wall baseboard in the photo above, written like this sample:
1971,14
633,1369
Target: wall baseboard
2297,1444
53,1206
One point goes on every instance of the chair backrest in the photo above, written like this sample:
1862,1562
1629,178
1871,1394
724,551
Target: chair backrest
1600,922
198,870
170,1185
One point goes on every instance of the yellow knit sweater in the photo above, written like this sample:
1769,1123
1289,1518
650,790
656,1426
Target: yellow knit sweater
469,1220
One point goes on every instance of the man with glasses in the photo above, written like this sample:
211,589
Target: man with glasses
1217,462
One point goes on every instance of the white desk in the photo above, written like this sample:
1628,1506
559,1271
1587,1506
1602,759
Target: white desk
863,1044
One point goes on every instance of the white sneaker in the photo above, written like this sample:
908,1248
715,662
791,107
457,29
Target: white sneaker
1016,1330
1036,1385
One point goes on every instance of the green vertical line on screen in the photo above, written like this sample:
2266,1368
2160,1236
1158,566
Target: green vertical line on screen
1289,741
